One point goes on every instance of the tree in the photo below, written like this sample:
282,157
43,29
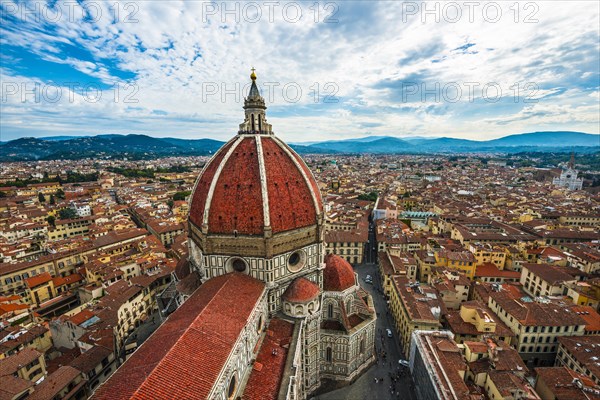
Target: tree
52,200
41,197
372,196
60,194
170,203
181,195
51,220
67,213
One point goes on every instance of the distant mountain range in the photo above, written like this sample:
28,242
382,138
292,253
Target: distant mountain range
536,141
142,146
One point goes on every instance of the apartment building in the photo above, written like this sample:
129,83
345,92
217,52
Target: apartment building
547,279
580,354
463,261
438,367
537,325
349,245
474,321
414,307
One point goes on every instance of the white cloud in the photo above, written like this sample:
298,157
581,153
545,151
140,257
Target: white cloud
175,56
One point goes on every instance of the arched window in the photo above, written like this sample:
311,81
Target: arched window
9,281
329,355
260,123
252,122
349,307
330,311
232,387
362,345
259,325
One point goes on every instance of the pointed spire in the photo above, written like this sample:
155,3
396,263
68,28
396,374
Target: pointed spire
254,92
255,121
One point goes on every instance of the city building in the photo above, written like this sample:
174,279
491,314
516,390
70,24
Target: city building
547,279
580,354
568,177
414,307
561,383
537,324
437,366
475,322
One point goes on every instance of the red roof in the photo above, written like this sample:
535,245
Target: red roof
183,358
487,270
81,317
236,201
11,298
38,279
301,290
338,274
590,315
55,383
5,308
67,280
266,376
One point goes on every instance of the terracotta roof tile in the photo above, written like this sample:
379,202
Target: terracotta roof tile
198,200
237,202
265,379
301,290
11,386
54,383
12,364
183,358
38,280
338,274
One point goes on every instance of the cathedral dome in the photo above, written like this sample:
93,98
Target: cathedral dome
301,290
338,274
255,185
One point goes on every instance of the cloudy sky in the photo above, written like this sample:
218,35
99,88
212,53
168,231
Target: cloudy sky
328,70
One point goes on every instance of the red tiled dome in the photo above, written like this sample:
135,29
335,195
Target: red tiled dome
254,182
301,290
338,274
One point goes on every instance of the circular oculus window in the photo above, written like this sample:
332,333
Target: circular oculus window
238,265
296,261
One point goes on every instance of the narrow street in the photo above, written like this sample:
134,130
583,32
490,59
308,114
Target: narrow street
365,387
